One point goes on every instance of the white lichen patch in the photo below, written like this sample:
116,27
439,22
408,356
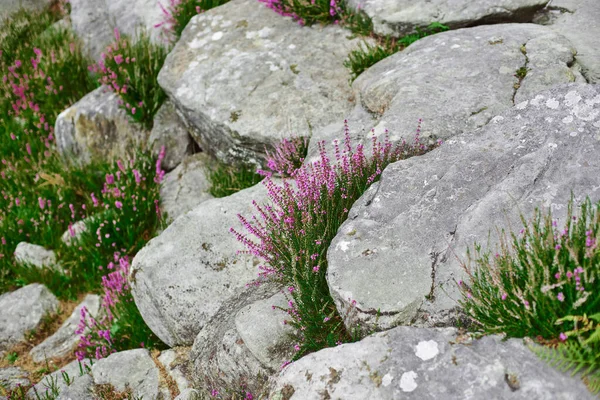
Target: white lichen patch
522,105
408,381
572,98
537,100
343,246
387,379
197,43
568,119
426,350
217,36
552,104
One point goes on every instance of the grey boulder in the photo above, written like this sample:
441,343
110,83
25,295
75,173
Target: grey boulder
577,20
182,277
457,81
13,377
169,131
63,341
186,186
72,378
95,21
22,311
96,127
401,17
244,77
131,369
10,6
33,254
425,364
401,248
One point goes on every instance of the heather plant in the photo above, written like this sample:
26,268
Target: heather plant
131,69
543,283
295,231
287,156
366,55
178,13
119,325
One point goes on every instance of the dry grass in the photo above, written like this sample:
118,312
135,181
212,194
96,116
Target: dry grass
165,380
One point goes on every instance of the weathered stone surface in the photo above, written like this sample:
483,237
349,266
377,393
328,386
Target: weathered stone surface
169,131
13,377
415,363
81,388
400,17
220,355
186,186
133,369
8,7
268,340
176,363
95,21
189,394
95,126
62,342
578,21
22,311
244,77
457,81
72,378
35,255
404,241
181,278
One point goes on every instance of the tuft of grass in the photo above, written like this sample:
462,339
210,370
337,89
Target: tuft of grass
226,180
367,55
543,283
295,232
131,70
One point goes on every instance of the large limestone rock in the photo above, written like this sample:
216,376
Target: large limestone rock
186,186
95,21
578,21
244,77
425,364
404,241
22,311
400,17
182,278
456,81
133,369
96,126
169,131
63,341
13,377
36,255
233,350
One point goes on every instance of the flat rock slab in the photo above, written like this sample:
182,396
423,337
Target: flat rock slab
35,255
13,377
95,21
401,17
457,81
73,377
186,186
415,363
11,6
245,77
578,20
22,311
405,240
133,369
182,278
63,341
96,127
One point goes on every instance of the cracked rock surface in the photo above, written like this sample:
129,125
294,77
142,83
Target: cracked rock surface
457,81
425,364
427,210
400,17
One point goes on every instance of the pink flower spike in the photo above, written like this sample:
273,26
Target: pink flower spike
562,337
118,204
561,297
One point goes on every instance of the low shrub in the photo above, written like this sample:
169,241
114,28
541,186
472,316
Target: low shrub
130,69
295,232
287,156
543,283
